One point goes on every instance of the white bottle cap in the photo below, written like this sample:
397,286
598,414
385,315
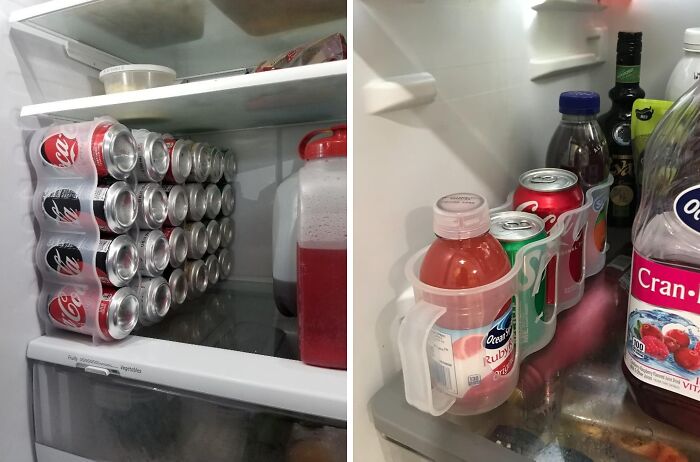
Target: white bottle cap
692,39
461,216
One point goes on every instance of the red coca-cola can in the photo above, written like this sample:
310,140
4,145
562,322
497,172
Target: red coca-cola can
69,256
113,318
548,193
114,206
178,245
108,144
180,152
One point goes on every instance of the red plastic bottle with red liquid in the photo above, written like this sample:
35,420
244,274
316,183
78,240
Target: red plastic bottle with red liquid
464,255
322,249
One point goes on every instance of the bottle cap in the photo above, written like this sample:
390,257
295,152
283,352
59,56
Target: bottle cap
629,44
461,216
579,103
691,40
334,145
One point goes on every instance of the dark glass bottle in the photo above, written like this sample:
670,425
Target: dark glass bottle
616,126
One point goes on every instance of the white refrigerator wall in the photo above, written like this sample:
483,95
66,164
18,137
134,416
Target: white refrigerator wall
32,72
488,124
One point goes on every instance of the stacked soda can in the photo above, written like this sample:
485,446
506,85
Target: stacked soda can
154,210
85,209
206,224
132,222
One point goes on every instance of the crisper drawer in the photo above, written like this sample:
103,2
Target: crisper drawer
118,419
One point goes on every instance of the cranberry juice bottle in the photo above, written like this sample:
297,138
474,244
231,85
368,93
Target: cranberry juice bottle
662,348
465,255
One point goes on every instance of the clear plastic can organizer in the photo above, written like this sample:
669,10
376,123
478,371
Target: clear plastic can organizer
475,379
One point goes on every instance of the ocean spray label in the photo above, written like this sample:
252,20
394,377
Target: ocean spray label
463,359
686,207
662,345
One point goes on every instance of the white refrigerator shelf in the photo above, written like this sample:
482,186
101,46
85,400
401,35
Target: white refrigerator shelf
258,379
286,96
230,343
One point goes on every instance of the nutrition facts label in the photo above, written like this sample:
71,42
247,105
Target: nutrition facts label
442,363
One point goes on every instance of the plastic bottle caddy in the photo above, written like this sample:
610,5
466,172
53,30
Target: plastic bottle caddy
486,302
322,249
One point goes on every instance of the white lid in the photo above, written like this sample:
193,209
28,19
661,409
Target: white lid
691,40
138,68
461,216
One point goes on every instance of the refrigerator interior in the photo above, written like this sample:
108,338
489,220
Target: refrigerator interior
472,120
261,117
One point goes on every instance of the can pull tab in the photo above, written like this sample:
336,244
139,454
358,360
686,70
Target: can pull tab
543,179
516,225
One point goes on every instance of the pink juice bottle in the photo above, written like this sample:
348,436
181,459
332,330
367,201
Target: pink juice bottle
662,348
481,347
322,249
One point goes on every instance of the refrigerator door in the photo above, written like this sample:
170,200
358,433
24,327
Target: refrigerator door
462,96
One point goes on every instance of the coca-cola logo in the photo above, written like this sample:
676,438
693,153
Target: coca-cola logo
59,150
687,208
532,207
67,309
65,259
62,205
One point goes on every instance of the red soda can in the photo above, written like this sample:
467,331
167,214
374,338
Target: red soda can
178,245
114,206
180,152
113,319
177,204
548,193
107,143
116,259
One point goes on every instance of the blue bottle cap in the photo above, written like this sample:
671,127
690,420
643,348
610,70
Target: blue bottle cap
579,103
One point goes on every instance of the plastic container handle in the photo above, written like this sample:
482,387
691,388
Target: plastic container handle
309,136
413,346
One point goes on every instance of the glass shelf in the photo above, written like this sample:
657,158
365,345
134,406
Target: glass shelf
286,96
569,5
240,316
193,37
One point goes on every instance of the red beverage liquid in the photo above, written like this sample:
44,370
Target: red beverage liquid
673,408
460,264
322,300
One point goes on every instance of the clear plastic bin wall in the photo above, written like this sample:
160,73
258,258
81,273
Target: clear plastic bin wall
115,419
61,157
488,386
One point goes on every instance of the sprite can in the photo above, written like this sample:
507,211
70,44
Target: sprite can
514,230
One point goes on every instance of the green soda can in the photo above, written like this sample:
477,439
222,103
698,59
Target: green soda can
514,230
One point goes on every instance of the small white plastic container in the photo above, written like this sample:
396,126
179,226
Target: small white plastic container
131,77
